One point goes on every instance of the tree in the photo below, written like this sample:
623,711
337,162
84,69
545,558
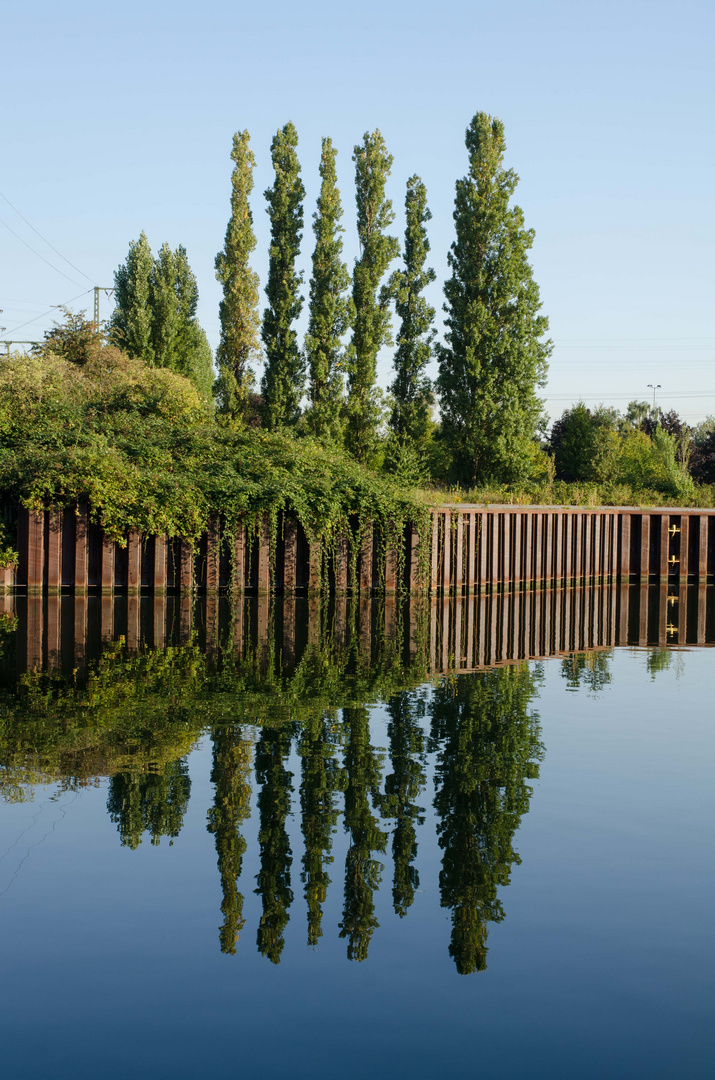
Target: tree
273,878
585,444
76,339
178,341
282,383
131,321
320,782
230,774
331,311
238,311
371,327
156,803
411,389
494,355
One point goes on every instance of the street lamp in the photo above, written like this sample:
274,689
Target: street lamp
653,387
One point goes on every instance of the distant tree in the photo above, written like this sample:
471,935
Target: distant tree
495,355
230,775
331,310
411,389
371,327
76,339
179,342
282,384
702,459
585,444
131,321
238,311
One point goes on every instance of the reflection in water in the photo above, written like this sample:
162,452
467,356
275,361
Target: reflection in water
97,687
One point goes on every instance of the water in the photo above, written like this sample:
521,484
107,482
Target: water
288,841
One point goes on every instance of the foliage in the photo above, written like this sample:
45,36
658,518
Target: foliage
238,311
76,339
131,322
139,446
179,342
585,444
411,389
494,354
282,383
371,327
331,311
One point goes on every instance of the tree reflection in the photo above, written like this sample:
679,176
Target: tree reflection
232,806
363,771
487,747
402,788
274,800
149,802
321,780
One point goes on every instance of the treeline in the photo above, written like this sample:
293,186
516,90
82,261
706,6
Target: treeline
491,361
644,448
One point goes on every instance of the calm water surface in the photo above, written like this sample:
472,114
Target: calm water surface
229,856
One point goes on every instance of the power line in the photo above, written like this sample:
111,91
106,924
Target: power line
49,312
23,241
47,241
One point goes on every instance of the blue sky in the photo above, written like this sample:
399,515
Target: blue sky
118,119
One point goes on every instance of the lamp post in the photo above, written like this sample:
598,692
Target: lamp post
654,387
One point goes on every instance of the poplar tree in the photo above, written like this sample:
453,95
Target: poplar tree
494,355
371,327
411,389
179,342
282,383
238,311
131,321
331,310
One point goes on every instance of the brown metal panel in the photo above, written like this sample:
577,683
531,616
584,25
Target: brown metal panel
597,534
365,560
484,534
81,550
566,633
264,554
107,578
548,547
644,565
211,622
433,633
495,523
53,632
133,622
434,580
134,562
664,550
684,551
390,568
186,617
494,613
447,556
54,550
238,581
528,549
506,550
35,551
587,547
538,544
415,582
625,548
290,558
703,548
505,599
459,562
239,626
160,546
458,658
315,565
517,550
614,547
483,623
559,522
472,520
557,625
683,612
341,566
186,566
263,623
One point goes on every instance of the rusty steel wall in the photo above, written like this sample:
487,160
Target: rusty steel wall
470,549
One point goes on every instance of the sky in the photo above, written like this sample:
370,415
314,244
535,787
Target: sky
118,118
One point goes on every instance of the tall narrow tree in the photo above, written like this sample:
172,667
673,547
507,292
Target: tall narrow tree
238,311
371,327
411,389
495,355
331,309
282,384
131,322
